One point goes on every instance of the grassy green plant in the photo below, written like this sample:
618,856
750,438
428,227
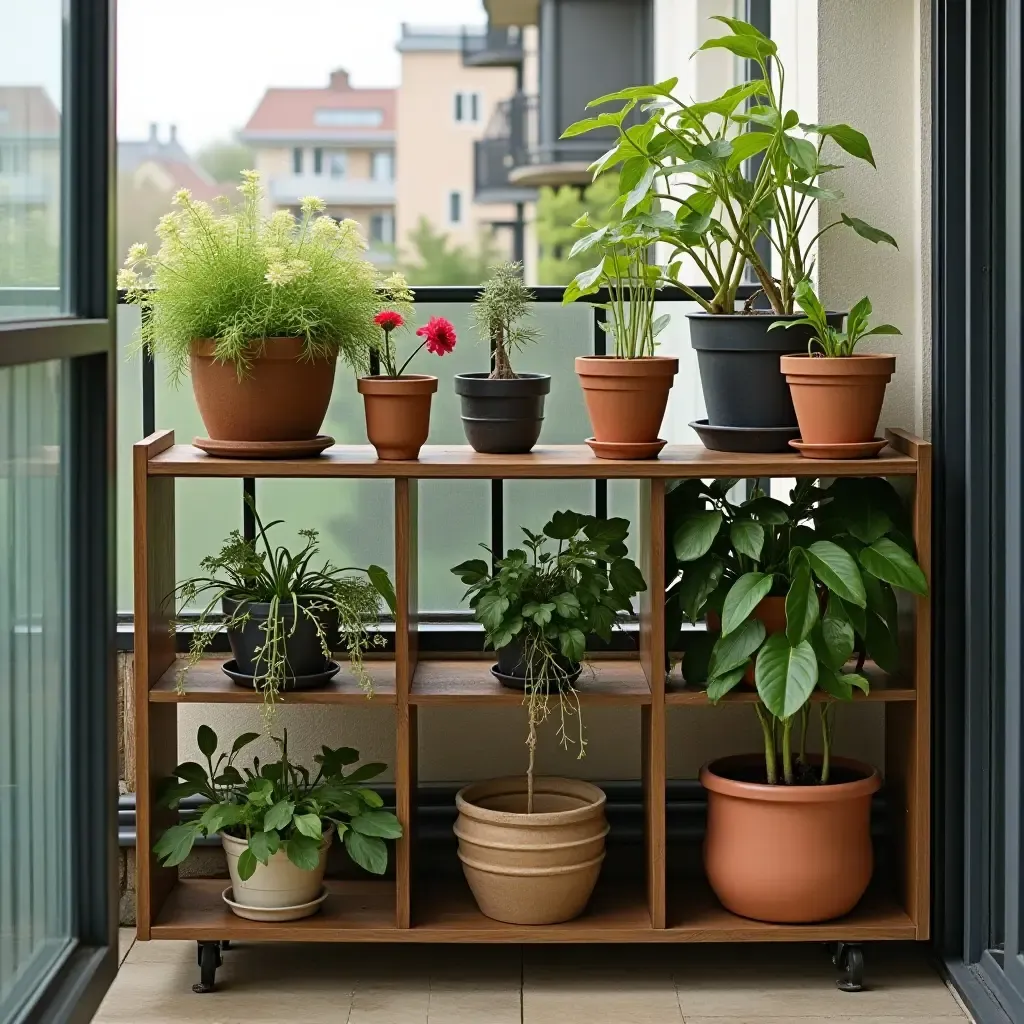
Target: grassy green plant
837,555
278,806
827,340
498,312
237,277
253,572
548,602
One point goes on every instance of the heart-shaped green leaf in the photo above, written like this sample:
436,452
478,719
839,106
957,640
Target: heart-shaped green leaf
836,634
369,852
308,825
801,605
785,675
747,538
303,852
696,534
264,845
721,685
743,597
734,650
837,570
279,816
377,823
889,562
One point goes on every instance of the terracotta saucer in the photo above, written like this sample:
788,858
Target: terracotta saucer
860,450
265,449
626,449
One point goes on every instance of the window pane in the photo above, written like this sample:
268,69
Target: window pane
31,82
35,852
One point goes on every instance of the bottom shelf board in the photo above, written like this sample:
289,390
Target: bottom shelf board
445,912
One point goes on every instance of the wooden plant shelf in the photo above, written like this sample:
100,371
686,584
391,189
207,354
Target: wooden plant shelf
641,905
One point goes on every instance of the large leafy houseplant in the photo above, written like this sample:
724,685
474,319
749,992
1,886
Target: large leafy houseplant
566,583
836,556
284,599
278,806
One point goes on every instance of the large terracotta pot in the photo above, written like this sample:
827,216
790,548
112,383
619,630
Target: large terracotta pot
280,397
813,857
839,400
278,883
626,398
537,868
397,413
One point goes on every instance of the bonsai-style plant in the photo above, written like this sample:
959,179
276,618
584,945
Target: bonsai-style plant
538,605
258,309
283,615
798,597
276,820
502,411
716,178
837,392
397,404
627,393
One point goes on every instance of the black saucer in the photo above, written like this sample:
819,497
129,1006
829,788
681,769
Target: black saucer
745,439
311,682
519,682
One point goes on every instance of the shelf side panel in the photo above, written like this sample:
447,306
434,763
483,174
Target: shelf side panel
652,658
156,726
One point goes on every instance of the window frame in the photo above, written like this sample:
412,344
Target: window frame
456,208
298,158
318,160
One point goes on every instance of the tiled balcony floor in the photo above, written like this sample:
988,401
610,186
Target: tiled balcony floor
317,984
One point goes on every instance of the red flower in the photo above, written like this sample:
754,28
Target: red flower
388,320
440,335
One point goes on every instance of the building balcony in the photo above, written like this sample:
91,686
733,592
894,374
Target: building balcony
289,190
495,47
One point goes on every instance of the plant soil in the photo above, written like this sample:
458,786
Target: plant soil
804,774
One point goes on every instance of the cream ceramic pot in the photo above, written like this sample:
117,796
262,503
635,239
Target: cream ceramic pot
278,883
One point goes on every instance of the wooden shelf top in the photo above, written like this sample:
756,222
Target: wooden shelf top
470,682
206,683
547,461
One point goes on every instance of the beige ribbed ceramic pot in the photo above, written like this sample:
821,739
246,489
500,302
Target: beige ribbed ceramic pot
537,868
278,883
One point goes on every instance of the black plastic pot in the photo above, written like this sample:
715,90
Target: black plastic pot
738,359
502,417
512,668
303,652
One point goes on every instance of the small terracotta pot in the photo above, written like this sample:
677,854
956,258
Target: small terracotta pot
814,857
537,868
837,400
626,398
397,413
280,397
771,611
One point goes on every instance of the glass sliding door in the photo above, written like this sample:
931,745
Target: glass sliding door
58,924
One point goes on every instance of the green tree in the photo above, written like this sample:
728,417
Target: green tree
433,258
557,211
225,161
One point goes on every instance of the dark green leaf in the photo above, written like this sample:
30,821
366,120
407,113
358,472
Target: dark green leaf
192,772
176,843
382,584
847,138
565,525
490,610
749,144
836,634
308,825
801,152
246,864
889,562
638,192
279,816
785,675
207,741
721,685
472,571
835,684
243,741
801,605
855,679
626,578
747,537
837,570
695,535
567,605
377,823
735,650
867,231
743,597
367,771
264,845
767,510
700,579
697,647
573,644
369,852
881,644
303,851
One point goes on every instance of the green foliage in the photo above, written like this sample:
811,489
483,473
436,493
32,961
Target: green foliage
498,313
434,259
29,252
225,161
681,174
558,211
278,806
831,342
232,275
253,572
835,554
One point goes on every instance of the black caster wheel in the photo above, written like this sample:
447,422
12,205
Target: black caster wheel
208,955
849,961
225,944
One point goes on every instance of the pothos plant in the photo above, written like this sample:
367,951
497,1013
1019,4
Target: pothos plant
836,555
499,312
278,806
683,173
253,572
566,583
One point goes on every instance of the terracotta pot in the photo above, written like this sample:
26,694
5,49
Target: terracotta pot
537,868
397,413
814,857
281,397
278,883
626,398
837,401
770,610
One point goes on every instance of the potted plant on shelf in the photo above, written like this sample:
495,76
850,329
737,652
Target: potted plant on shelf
276,823
397,404
832,561
502,411
688,160
837,392
283,617
258,309
626,394
532,849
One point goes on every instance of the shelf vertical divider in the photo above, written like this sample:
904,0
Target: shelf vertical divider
406,748
156,725
652,720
